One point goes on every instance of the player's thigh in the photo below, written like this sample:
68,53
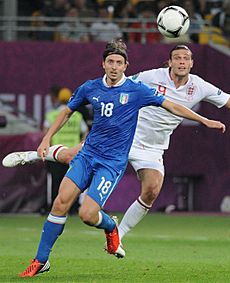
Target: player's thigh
156,164
68,190
67,194
80,172
150,173
67,154
103,184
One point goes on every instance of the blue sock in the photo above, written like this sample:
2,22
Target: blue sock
106,222
50,233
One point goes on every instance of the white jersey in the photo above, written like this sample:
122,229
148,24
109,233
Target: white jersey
155,124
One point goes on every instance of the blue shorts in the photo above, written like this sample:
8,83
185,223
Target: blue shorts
90,172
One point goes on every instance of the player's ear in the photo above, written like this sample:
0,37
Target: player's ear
169,63
166,64
103,64
127,65
191,65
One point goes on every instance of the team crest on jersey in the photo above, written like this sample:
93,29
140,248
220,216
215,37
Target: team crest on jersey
190,92
124,97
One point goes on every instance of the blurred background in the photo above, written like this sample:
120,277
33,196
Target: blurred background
52,46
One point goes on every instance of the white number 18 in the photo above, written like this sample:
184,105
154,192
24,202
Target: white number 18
107,109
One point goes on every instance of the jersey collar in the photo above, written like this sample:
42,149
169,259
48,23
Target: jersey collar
122,80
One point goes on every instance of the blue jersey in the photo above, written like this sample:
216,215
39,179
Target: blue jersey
115,117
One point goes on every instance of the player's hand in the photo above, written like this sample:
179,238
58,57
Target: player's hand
43,149
216,125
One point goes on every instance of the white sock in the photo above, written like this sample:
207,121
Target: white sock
133,216
99,219
53,152
32,156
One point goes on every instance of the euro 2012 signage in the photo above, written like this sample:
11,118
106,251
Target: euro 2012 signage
31,105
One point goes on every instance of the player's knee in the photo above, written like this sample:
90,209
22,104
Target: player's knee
86,216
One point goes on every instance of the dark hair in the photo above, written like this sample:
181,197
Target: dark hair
116,47
178,47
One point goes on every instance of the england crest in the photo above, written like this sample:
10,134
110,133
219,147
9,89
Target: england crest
191,89
124,98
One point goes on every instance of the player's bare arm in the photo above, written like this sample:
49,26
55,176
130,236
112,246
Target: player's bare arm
185,112
62,118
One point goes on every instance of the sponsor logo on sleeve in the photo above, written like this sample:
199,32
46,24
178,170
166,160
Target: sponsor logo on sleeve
219,92
134,77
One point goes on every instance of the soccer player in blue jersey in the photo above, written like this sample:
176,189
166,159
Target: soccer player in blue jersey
101,163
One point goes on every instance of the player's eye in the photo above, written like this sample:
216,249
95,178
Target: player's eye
176,57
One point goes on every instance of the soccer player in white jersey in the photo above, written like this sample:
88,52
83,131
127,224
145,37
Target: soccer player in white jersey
152,136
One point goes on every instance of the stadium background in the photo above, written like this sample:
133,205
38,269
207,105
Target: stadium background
197,163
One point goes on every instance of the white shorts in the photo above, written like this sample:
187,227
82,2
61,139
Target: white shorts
156,162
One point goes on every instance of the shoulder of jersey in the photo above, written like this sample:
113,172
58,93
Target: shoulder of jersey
196,78
148,74
92,83
133,80
137,83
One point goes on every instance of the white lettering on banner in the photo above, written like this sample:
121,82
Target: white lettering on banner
38,108
7,96
22,103
33,105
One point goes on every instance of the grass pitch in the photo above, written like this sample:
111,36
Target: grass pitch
162,248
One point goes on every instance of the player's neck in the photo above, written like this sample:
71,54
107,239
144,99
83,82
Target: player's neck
179,80
110,83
